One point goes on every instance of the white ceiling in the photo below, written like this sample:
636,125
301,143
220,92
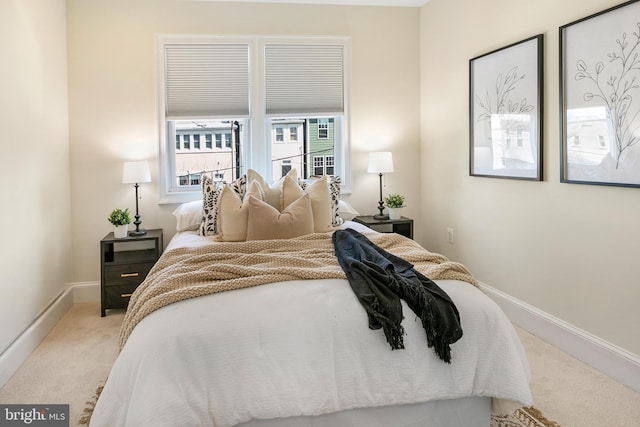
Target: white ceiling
398,3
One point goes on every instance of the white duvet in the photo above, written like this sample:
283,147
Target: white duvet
299,348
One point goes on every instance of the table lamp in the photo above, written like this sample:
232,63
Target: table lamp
380,162
135,173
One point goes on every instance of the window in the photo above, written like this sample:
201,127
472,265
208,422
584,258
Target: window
328,165
194,179
207,88
286,167
323,129
323,165
519,134
318,165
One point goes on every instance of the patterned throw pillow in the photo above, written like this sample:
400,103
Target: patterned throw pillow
210,197
240,186
334,194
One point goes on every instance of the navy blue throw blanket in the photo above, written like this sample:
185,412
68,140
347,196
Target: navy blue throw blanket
379,279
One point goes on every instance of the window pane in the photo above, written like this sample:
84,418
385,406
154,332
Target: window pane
323,129
219,162
309,153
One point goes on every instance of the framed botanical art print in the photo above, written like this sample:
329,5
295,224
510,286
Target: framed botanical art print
600,98
505,111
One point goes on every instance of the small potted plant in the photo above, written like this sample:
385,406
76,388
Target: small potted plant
120,220
394,202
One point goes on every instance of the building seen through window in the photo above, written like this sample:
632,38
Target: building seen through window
193,159
304,144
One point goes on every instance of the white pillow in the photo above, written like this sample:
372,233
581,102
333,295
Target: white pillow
188,216
346,211
318,192
265,222
273,192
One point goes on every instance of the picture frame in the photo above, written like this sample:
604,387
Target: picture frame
505,111
600,98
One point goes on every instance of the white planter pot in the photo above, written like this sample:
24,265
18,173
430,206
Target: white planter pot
120,231
395,213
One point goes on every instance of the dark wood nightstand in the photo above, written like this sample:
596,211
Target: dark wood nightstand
124,264
402,226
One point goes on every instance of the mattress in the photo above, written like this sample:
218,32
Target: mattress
300,353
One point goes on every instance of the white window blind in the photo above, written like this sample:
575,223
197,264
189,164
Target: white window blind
206,80
304,79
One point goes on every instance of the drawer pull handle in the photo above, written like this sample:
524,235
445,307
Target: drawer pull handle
129,274
125,295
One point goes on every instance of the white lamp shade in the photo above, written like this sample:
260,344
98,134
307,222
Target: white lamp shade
380,162
136,172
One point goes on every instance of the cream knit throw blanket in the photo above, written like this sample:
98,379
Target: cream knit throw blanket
184,273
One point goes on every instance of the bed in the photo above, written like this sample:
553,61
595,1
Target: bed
300,353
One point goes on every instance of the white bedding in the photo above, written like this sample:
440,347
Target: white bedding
299,348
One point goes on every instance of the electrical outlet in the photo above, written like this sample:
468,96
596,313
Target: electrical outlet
450,235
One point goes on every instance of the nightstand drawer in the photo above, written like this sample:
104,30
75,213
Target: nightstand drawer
118,296
126,274
124,264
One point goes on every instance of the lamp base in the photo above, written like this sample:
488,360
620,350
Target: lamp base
137,233
380,217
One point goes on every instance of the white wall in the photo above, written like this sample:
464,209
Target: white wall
570,250
113,105
35,249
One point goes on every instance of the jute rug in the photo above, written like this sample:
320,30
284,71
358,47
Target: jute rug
523,417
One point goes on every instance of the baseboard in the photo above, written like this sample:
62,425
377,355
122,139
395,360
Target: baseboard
22,347
18,352
86,292
607,358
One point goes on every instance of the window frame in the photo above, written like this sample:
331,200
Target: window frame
258,138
